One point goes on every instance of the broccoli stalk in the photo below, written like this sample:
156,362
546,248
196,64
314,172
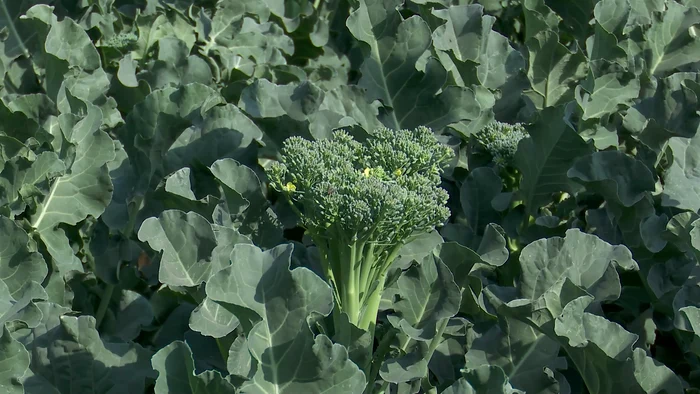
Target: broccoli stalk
360,202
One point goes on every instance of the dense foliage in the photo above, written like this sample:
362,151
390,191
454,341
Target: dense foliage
349,196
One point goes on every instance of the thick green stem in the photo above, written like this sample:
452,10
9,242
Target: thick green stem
379,356
371,303
325,264
104,304
223,350
382,389
350,303
435,342
133,210
367,268
384,267
371,307
335,263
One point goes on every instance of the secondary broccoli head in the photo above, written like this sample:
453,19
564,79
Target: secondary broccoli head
121,40
382,190
501,140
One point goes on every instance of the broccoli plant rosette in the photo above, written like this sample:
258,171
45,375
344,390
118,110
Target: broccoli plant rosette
360,202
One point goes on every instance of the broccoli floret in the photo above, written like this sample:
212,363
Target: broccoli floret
501,141
121,40
360,202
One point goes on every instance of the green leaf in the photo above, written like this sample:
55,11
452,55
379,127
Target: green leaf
133,312
347,103
623,16
18,264
85,190
686,301
68,41
243,44
61,341
158,140
15,363
424,295
553,70
291,12
578,270
306,109
447,361
176,373
157,122
89,87
486,378
545,158
670,42
23,174
240,361
476,195
289,359
247,207
127,72
602,352
575,16
538,18
654,377
492,248
390,72
608,87
358,342
459,259
221,28
21,306
474,48
652,230
618,177
242,180
409,367
187,241
174,66
682,184
582,258
521,351
19,34
416,250
214,318
670,109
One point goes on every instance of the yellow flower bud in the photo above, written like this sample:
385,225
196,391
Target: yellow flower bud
289,187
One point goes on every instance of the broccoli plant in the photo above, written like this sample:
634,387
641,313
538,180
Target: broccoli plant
361,202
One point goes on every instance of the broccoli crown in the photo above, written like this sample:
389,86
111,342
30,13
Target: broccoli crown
501,140
382,190
121,40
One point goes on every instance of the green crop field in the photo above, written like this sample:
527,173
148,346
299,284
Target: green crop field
349,196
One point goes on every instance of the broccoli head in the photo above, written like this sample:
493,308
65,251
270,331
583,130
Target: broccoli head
121,40
360,202
501,141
